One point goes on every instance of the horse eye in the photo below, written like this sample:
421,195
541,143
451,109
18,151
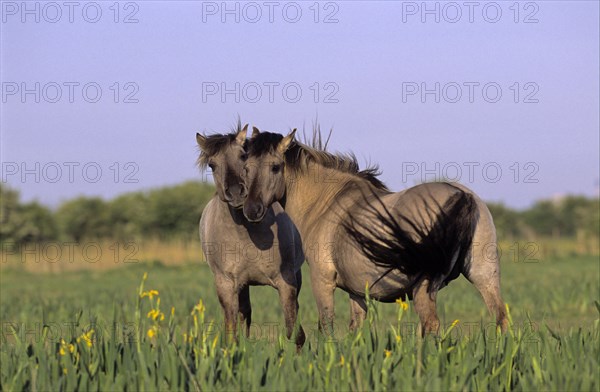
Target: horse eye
212,166
244,156
276,168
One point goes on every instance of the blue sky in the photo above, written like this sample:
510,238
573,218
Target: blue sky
517,117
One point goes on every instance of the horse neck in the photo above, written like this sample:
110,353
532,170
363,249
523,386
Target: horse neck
228,213
313,196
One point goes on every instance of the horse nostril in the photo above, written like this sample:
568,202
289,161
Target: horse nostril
259,210
227,193
243,190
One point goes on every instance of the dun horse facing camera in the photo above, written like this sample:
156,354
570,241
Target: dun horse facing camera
265,253
410,243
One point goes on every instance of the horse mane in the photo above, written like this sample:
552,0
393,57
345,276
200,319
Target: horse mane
314,150
215,143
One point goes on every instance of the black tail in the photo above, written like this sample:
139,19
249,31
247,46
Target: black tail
436,251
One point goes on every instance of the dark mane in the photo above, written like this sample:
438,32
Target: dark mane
299,155
214,144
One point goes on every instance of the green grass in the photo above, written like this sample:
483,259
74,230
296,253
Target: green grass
553,345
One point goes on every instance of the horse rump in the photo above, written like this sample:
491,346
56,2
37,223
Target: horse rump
398,242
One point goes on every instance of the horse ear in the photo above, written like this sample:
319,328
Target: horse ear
255,132
201,140
285,143
241,135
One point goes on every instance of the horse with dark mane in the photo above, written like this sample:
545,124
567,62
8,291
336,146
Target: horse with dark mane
356,233
242,254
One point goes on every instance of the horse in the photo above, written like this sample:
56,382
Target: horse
365,239
242,254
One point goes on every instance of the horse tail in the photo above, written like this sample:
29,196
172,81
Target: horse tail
396,242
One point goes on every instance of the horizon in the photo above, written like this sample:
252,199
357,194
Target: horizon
557,198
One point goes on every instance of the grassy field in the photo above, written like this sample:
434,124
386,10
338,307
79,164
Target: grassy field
93,330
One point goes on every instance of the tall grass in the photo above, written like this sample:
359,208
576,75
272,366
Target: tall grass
116,330
176,349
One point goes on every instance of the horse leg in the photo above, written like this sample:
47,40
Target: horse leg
288,296
299,281
229,299
358,311
493,301
484,273
425,306
299,286
483,270
245,308
323,289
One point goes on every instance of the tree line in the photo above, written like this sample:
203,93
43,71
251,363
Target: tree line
173,213
568,217
164,213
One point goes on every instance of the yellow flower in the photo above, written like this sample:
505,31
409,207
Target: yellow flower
63,345
152,332
454,323
86,337
149,293
398,338
402,304
199,308
172,311
388,353
65,370
155,314
342,360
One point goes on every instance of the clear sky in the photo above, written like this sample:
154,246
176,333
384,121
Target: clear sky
517,85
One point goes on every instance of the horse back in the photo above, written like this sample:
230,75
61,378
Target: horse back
422,203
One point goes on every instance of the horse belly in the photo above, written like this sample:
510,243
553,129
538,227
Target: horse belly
355,272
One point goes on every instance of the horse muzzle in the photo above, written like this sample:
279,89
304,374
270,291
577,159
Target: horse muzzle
254,212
